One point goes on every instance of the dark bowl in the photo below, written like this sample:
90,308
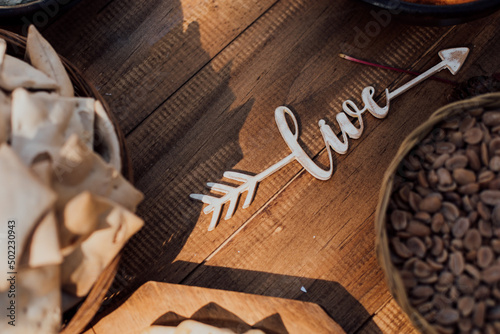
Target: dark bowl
37,12
436,15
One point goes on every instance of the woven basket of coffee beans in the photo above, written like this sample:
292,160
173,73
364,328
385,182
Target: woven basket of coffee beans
438,220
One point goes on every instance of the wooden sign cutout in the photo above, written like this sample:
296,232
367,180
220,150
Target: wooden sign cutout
452,59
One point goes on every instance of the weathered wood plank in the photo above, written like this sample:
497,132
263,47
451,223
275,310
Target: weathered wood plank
146,52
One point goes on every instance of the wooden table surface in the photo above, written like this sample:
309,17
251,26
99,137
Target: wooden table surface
194,85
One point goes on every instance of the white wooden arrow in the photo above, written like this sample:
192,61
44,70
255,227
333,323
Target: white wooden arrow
452,59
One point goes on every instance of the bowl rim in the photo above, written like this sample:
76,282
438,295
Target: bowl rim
475,5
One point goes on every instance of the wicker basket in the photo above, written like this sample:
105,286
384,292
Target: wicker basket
393,278
16,46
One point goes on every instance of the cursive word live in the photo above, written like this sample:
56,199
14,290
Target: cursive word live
452,59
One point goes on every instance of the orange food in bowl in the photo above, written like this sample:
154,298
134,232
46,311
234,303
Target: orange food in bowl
440,2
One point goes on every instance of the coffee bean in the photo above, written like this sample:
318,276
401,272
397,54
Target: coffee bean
485,177
414,200
457,138
483,211
464,176
454,294
460,226
421,269
495,244
404,193
416,246
436,266
431,203
491,274
440,161
469,189
494,163
400,248
482,292
464,325
473,271
473,157
423,216
466,305
432,178
399,219
476,112
494,146
441,301
437,222
456,263
457,161
467,123
494,184
495,216
472,239
467,204
490,197
438,245
479,314
485,228
473,136
422,291
425,307
445,147
446,278
443,257
447,316
491,118
444,177
418,229
422,179
485,256
484,154
465,284
450,211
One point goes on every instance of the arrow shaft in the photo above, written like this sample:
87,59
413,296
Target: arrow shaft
430,72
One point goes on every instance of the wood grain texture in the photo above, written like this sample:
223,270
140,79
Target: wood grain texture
222,118
159,302
194,84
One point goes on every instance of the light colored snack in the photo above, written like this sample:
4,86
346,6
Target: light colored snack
43,170
77,169
78,220
3,50
16,206
44,249
44,58
42,122
193,327
17,73
83,266
107,136
37,302
5,106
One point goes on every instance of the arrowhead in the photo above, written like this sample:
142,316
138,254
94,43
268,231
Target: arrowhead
454,58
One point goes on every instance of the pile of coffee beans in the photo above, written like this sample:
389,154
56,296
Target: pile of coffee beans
443,224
